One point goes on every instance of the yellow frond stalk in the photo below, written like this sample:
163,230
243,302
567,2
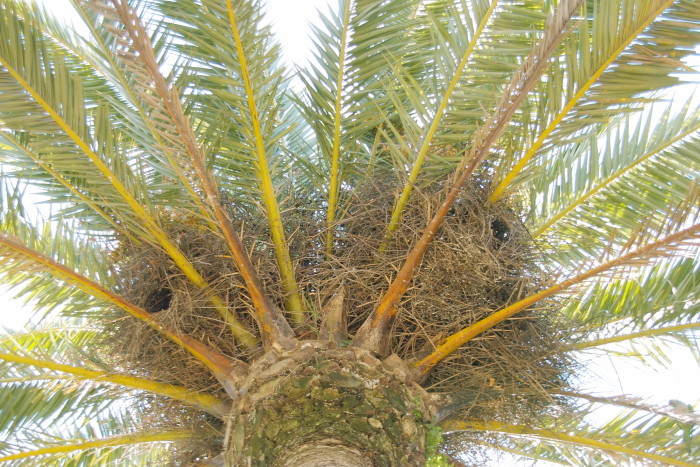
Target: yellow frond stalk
582,441
335,156
432,130
634,335
138,438
206,402
294,302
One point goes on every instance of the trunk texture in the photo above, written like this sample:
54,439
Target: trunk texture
316,406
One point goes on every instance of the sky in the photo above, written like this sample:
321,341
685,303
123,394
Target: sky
608,375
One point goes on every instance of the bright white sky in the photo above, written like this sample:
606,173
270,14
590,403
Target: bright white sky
609,376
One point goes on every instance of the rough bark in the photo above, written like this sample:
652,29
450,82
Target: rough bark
316,406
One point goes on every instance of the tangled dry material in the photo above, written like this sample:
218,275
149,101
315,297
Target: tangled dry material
482,260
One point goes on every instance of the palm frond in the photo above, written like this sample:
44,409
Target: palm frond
66,447
175,126
236,98
59,241
629,151
84,150
333,52
97,51
681,414
343,85
663,298
55,401
630,437
457,38
57,106
22,151
111,57
629,39
78,394
204,402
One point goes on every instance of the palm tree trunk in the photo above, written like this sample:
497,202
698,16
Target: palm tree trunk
315,406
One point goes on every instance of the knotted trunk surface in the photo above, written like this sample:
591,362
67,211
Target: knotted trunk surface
327,407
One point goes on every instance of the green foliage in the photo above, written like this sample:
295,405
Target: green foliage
602,155
433,440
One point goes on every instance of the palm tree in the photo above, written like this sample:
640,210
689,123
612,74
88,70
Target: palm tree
397,255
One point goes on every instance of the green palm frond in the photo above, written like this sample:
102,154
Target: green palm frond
631,152
78,394
102,451
15,255
97,157
343,87
59,241
630,437
624,51
60,400
166,157
46,172
53,97
674,410
73,373
664,294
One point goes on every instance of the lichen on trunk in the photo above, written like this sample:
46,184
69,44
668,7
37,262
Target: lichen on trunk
321,406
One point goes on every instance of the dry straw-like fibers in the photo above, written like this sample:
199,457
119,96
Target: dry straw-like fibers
482,260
